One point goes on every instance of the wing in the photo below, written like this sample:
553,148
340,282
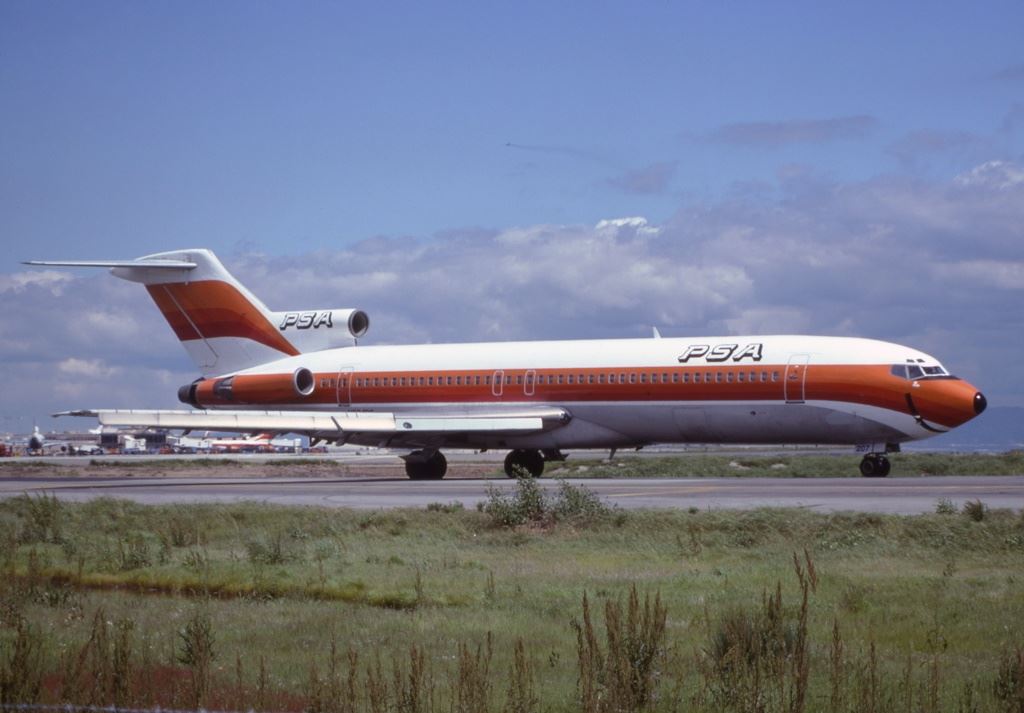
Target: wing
383,429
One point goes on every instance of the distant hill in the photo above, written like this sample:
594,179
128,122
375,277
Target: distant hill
1000,428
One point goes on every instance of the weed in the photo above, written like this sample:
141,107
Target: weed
21,667
522,689
1008,685
452,507
622,677
273,550
529,504
471,689
42,518
945,506
196,642
975,510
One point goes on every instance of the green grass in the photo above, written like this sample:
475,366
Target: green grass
282,584
788,466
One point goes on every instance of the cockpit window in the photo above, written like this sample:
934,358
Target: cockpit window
915,372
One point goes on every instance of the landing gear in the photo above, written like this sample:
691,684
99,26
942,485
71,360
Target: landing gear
875,465
426,465
530,461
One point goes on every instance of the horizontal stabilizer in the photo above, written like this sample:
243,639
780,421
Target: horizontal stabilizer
166,264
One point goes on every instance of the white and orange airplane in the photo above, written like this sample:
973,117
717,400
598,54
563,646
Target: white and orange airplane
303,372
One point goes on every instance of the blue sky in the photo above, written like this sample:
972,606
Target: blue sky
836,168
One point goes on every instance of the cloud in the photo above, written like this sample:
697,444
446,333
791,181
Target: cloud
89,368
937,264
650,180
51,280
996,175
771,134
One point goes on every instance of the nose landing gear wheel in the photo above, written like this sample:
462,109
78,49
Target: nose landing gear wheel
432,468
875,466
530,461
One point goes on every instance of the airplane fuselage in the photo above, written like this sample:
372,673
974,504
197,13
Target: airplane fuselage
776,389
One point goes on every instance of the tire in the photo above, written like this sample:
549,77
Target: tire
433,468
530,461
869,467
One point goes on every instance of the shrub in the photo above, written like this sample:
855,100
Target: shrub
975,510
945,506
530,504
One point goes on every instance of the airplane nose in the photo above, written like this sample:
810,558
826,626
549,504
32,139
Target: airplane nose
980,403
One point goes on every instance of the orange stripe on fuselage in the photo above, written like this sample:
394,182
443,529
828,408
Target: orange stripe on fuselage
946,402
211,308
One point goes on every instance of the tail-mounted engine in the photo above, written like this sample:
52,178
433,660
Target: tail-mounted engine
316,329
247,389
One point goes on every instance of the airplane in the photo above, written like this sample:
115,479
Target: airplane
39,444
304,372
259,443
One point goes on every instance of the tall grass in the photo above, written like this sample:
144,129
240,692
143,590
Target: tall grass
459,611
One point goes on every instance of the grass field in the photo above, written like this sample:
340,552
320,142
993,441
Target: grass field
241,606
806,464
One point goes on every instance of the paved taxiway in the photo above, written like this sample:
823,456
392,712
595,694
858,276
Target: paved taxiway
890,495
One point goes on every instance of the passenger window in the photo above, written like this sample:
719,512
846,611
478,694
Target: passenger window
561,378
508,380
476,380
600,378
569,379
622,377
519,379
741,377
728,376
643,378
775,376
487,380
632,378
675,377
686,377
718,377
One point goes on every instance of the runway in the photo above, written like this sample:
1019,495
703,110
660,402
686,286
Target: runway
881,495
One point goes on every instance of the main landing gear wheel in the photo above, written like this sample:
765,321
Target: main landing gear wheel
530,461
421,466
875,466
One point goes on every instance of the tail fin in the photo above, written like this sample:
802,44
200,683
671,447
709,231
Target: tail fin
224,327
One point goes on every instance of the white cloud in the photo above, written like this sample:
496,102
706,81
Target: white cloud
89,368
1001,175
50,280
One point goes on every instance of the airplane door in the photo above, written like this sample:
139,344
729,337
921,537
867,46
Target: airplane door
796,378
345,376
498,382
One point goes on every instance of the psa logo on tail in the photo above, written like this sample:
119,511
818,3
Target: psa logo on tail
307,320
